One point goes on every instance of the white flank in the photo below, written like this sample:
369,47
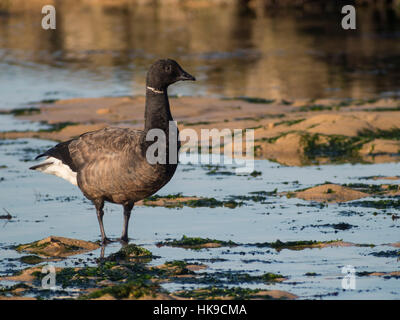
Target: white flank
59,169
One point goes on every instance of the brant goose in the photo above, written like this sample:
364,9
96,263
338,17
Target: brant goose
110,164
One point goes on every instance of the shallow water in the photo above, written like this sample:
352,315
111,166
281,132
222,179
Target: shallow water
43,205
9,123
100,50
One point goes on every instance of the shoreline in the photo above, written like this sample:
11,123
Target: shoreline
292,133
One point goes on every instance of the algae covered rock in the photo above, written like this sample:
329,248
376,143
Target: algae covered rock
234,293
129,252
197,243
58,247
31,259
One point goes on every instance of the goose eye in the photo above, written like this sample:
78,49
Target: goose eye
168,69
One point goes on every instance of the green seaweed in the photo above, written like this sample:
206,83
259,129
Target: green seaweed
221,173
195,242
265,193
385,275
275,138
88,277
251,99
383,109
211,203
58,126
341,226
179,267
390,134
31,259
130,251
337,148
337,226
169,196
386,254
378,204
289,122
193,203
367,188
255,198
364,273
48,101
236,293
292,245
24,111
8,289
256,173
315,107
135,289
188,124
231,277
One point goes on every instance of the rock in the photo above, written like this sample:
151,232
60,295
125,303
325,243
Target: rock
330,193
58,247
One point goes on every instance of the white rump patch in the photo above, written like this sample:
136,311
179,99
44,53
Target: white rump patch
59,169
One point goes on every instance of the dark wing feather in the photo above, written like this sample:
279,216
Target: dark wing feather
96,146
108,143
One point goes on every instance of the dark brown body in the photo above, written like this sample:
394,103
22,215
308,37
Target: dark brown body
118,171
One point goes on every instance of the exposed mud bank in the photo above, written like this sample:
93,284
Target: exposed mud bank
291,133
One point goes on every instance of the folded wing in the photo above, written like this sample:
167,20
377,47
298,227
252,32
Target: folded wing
101,147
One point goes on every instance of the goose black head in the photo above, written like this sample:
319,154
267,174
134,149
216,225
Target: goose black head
163,73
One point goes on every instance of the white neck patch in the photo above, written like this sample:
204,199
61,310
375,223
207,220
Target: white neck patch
155,90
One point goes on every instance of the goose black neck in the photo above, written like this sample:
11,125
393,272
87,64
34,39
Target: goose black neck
157,113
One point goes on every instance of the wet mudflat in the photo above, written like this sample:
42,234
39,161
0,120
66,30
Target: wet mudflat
279,232
249,234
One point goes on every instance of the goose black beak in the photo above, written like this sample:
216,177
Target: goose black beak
186,76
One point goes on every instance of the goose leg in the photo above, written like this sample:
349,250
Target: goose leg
99,204
127,214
